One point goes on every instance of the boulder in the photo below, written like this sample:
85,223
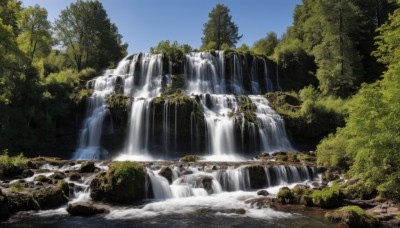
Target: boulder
58,175
22,202
263,192
262,202
43,179
50,197
206,183
27,173
87,167
167,173
285,196
258,178
74,176
353,216
85,209
123,183
385,211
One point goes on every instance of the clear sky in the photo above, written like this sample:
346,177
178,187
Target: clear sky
143,23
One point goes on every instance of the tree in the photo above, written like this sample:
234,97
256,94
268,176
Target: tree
86,32
165,46
35,37
220,28
266,45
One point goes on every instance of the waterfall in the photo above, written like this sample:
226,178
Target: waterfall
209,79
231,179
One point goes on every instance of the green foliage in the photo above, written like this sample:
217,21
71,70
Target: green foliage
353,216
123,171
165,46
7,162
16,187
243,49
90,38
332,151
328,197
285,195
266,45
219,29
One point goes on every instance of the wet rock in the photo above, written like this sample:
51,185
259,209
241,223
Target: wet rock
353,216
263,192
239,211
123,183
74,176
58,175
28,173
206,183
190,158
22,202
167,173
262,202
43,179
258,178
85,209
50,197
87,167
385,211
4,207
285,195
263,156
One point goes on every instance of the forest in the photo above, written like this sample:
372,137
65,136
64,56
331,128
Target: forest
340,60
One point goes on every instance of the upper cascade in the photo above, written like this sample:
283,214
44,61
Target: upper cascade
198,103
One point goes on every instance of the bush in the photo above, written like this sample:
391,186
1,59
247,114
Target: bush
327,198
353,216
390,189
285,195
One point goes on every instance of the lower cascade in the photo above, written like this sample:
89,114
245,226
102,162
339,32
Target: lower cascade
206,104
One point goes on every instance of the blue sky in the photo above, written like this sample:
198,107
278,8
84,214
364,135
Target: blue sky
143,23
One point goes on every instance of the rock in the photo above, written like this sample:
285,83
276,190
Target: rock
28,173
50,197
262,202
58,175
74,176
87,167
43,179
263,192
353,216
385,211
4,207
285,195
190,158
239,211
123,183
258,178
85,209
206,183
64,187
22,202
328,197
263,156
167,173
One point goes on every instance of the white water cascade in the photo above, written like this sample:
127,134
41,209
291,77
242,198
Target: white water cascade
219,82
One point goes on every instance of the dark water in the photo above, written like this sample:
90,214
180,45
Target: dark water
309,219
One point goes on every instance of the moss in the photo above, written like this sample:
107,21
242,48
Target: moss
327,198
285,103
74,176
118,102
63,186
81,96
285,195
398,217
190,158
17,187
57,175
359,190
42,178
123,183
11,166
22,202
51,197
353,216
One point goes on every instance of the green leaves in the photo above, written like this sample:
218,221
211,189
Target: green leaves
220,29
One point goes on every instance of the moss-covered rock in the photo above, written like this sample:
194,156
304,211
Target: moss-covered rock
74,176
87,167
43,179
190,158
58,175
51,197
328,198
79,97
119,104
353,216
64,187
167,173
258,178
22,202
123,183
285,195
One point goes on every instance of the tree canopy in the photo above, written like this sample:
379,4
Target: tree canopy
88,35
220,29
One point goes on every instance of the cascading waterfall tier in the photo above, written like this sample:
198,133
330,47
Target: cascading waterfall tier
205,103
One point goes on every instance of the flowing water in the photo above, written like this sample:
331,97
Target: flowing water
219,82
